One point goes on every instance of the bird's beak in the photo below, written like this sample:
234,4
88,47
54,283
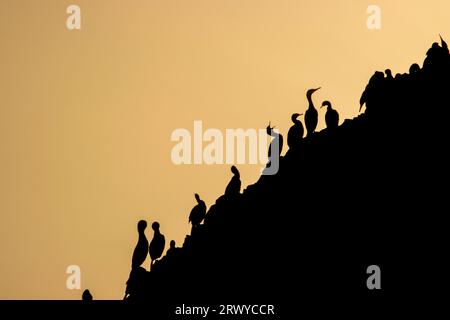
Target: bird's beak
317,89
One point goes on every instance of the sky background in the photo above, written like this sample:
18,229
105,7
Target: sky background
86,115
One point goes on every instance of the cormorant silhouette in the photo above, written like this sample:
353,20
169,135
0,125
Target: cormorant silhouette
198,212
444,45
87,296
331,117
172,247
388,73
157,244
296,132
277,137
141,249
311,114
370,90
414,69
234,186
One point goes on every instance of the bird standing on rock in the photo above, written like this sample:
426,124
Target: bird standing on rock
234,186
157,244
198,213
277,141
331,117
87,296
296,132
141,249
311,114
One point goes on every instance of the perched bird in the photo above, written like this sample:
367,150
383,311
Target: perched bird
171,248
414,69
444,45
277,141
157,244
388,73
141,249
198,212
296,132
331,117
87,296
234,186
370,92
311,114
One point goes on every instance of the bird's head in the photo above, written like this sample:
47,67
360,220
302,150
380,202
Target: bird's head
235,171
443,43
310,92
388,72
295,116
269,129
142,224
326,104
197,197
155,226
361,103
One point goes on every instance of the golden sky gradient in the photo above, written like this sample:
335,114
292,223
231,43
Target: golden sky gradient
86,116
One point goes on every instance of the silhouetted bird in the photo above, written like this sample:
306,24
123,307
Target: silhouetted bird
311,114
171,248
414,69
141,250
388,73
87,296
296,132
444,45
436,56
234,186
198,212
277,139
371,90
157,244
331,117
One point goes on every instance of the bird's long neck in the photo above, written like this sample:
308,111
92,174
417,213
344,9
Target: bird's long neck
311,104
142,235
273,133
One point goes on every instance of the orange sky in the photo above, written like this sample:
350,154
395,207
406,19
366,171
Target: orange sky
86,116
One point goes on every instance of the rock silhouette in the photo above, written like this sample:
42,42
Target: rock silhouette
316,227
